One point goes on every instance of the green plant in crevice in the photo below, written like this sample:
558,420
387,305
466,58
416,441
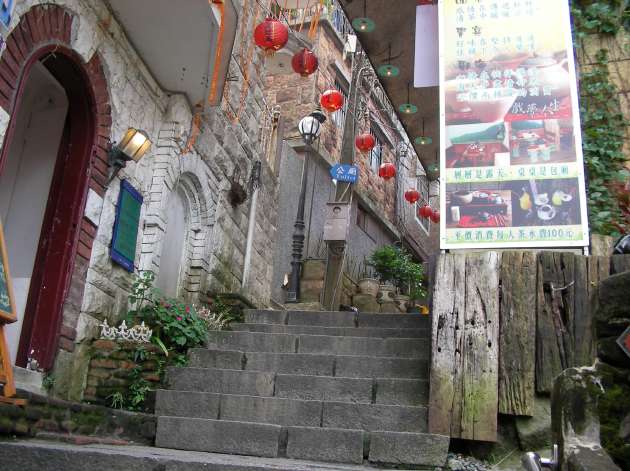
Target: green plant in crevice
603,124
116,400
138,389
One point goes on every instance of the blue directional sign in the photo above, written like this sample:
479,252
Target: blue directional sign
344,173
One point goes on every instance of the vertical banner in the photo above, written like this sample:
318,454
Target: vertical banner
511,149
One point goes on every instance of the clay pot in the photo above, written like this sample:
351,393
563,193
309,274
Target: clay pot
402,302
369,286
386,293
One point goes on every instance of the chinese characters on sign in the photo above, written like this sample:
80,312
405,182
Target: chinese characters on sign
344,173
511,144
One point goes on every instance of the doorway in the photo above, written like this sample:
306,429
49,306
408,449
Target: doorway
44,171
170,272
26,179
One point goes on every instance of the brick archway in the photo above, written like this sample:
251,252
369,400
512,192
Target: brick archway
44,34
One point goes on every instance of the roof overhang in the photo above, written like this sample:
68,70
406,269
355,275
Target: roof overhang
186,45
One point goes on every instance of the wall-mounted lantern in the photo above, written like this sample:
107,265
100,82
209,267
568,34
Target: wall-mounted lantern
133,146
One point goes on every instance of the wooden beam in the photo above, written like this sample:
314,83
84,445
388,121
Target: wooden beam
465,330
517,345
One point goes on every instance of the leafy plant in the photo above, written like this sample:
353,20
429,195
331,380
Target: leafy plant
116,400
603,124
394,264
176,325
48,382
138,389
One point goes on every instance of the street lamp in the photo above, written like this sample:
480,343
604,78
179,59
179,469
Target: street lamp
133,146
310,128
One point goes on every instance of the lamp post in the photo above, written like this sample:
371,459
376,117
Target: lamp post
309,127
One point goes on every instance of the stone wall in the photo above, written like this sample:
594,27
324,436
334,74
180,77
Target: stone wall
618,66
113,366
231,139
85,423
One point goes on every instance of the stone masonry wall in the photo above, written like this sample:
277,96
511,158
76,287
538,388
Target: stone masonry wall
297,96
230,138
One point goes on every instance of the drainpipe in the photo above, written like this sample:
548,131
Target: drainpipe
254,184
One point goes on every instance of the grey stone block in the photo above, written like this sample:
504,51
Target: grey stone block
534,432
403,448
325,444
372,417
378,367
362,346
398,321
250,383
403,392
206,358
187,404
271,410
252,341
324,319
319,330
265,317
290,363
322,388
219,436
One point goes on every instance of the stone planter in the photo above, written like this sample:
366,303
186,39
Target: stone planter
386,293
369,286
402,302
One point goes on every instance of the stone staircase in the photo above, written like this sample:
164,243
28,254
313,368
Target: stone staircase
323,386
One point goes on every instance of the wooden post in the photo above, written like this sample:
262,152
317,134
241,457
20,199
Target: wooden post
465,329
517,345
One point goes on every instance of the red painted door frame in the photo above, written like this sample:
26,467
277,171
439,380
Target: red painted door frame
59,237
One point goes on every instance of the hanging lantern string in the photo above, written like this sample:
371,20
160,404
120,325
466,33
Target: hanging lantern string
282,16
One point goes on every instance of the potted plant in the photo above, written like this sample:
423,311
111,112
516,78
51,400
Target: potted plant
386,263
368,283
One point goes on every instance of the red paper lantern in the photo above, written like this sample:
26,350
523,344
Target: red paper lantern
412,196
365,142
331,100
426,211
304,62
435,217
387,171
271,35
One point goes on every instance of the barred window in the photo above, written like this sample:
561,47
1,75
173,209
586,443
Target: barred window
339,116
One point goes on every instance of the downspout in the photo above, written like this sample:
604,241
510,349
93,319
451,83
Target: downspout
254,185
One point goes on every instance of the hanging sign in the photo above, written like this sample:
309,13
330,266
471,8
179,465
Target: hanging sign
511,149
6,13
123,250
344,173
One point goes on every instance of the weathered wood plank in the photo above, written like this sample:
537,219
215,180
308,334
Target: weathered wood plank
446,332
464,367
564,325
517,346
555,306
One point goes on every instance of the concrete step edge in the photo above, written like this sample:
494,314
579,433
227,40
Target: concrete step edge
333,355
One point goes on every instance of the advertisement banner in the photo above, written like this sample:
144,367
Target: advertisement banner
512,173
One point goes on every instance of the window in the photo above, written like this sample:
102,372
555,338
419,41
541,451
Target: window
339,116
363,221
422,185
376,154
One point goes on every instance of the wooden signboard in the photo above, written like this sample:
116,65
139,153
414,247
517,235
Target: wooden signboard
123,250
7,316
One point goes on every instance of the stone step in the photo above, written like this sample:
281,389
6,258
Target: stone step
380,332
37,455
337,319
291,412
310,364
312,443
393,391
321,344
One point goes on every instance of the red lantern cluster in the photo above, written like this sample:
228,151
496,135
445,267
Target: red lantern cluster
331,100
412,196
387,171
271,35
427,212
365,142
304,62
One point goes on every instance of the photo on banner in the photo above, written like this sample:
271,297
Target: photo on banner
511,150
